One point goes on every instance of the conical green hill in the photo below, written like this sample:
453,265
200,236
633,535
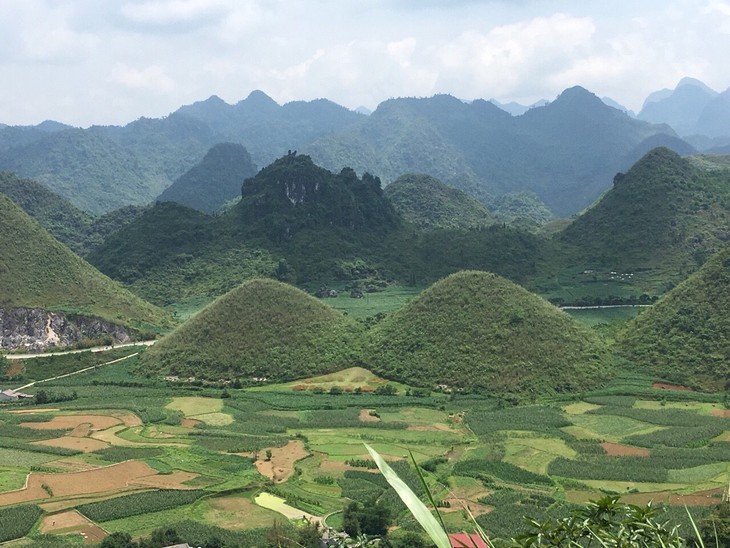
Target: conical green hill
38,271
476,330
685,336
428,203
263,328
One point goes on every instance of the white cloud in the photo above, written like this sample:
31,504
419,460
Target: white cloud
151,78
110,61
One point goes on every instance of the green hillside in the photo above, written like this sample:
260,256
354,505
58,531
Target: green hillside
666,214
38,271
76,229
217,179
685,337
476,330
92,171
303,224
66,222
426,202
263,328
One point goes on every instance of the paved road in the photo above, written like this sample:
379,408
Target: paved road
63,353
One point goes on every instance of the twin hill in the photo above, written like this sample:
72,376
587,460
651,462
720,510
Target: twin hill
38,271
473,330
476,330
263,328
685,337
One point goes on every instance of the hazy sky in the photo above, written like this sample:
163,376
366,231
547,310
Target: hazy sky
111,61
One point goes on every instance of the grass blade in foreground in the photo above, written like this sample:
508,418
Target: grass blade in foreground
414,504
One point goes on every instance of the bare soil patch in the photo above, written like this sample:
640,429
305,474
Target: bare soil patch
365,416
14,368
720,412
87,445
128,418
281,465
109,478
168,481
710,497
70,422
668,386
72,522
81,431
619,450
189,423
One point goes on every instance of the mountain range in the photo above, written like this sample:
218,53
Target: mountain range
564,152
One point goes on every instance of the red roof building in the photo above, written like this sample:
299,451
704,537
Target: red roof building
465,540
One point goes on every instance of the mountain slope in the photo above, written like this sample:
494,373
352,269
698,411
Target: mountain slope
476,330
268,129
666,213
681,108
38,271
564,151
215,180
263,328
91,171
685,336
428,203
61,218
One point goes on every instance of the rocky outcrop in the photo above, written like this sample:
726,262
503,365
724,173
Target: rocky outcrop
36,329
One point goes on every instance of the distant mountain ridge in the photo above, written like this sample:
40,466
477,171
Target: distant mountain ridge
565,152
217,179
692,108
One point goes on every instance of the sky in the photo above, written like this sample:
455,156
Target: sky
85,62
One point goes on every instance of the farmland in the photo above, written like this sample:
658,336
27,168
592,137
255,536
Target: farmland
134,452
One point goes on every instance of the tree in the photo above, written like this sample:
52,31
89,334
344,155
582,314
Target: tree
118,540
607,521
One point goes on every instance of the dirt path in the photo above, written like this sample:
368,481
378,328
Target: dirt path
77,372
65,352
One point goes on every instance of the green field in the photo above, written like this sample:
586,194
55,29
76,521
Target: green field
473,449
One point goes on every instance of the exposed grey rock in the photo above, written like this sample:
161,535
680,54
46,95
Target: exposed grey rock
36,329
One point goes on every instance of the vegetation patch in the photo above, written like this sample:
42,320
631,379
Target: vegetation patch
17,521
138,503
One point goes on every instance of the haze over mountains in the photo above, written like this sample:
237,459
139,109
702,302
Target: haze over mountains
565,151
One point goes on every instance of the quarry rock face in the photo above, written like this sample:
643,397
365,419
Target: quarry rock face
36,329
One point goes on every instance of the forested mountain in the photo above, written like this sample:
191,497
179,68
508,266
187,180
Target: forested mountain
268,129
565,151
426,202
301,223
685,337
667,213
92,171
38,271
61,218
216,180
476,330
77,229
105,167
